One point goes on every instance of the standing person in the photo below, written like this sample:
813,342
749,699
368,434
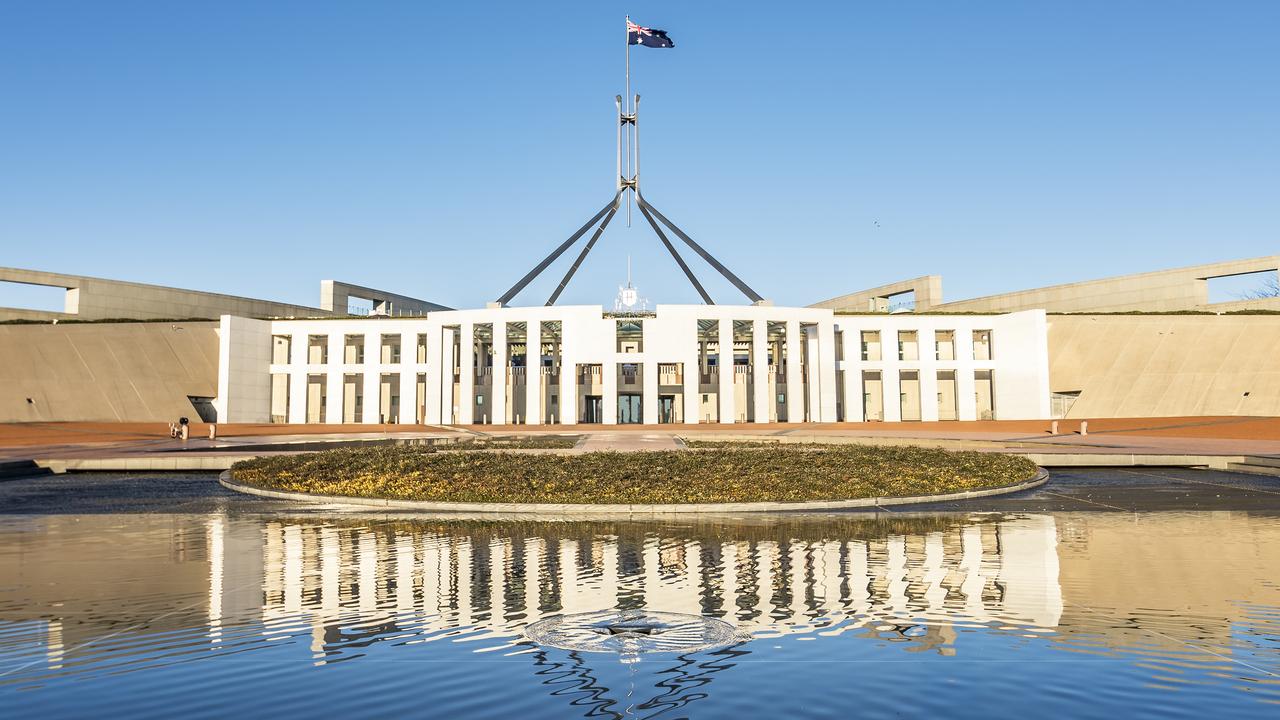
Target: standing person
184,428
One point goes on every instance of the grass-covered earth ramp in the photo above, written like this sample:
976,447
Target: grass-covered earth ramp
780,474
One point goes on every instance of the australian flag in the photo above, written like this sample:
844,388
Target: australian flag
637,35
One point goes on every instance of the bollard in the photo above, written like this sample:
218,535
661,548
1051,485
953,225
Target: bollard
213,431
1053,428
1084,427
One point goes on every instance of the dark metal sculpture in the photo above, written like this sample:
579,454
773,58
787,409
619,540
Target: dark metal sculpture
629,182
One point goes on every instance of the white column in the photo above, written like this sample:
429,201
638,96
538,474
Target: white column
813,362
467,375
852,375
935,573
892,389
432,556
928,388
533,374
896,572
409,399
797,549
440,378
533,552
608,593
497,580
827,370
293,568
760,370
463,574
795,390
971,565
966,408
569,598
653,590
404,568
367,573
372,378
728,406
692,396
497,405
330,570
298,378
333,378
609,391
649,386
766,552
567,413
729,579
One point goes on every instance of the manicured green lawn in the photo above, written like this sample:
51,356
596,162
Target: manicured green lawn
705,476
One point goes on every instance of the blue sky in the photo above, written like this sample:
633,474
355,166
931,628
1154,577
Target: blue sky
441,149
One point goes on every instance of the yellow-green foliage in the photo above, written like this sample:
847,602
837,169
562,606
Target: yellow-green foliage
527,442
705,476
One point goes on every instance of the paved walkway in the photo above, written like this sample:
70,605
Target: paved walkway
627,442
1218,436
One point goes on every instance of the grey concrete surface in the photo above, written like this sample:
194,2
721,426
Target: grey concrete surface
1086,490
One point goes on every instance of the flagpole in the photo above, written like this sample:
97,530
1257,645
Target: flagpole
627,109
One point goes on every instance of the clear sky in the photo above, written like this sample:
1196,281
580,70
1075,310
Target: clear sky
441,149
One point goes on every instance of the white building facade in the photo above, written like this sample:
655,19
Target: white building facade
681,364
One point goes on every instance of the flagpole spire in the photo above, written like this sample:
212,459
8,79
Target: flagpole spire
627,109
628,180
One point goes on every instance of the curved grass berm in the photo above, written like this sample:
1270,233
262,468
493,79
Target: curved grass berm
784,474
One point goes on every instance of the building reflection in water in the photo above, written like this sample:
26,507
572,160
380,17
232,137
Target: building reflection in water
1184,598
482,583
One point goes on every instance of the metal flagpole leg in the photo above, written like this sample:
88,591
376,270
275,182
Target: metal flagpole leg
515,289
581,256
617,100
679,260
737,282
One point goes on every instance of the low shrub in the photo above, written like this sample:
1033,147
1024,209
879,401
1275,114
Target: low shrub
707,476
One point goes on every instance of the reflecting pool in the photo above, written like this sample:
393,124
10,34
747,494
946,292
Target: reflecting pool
225,612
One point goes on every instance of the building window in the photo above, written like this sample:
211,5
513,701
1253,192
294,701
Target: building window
352,398
422,349
947,395
280,345
389,398
872,396
279,398
982,345
984,394
909,395
390,354
870,345
317,349
945,344
630,336
317,398
353,350
908,345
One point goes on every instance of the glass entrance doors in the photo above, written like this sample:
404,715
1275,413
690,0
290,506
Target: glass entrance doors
666,408
629,409
592,409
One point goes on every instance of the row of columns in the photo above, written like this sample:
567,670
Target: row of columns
438,400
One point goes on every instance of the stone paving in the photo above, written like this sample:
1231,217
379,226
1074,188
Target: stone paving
1223,436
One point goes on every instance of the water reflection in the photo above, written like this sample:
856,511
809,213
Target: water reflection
490,581
97,596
